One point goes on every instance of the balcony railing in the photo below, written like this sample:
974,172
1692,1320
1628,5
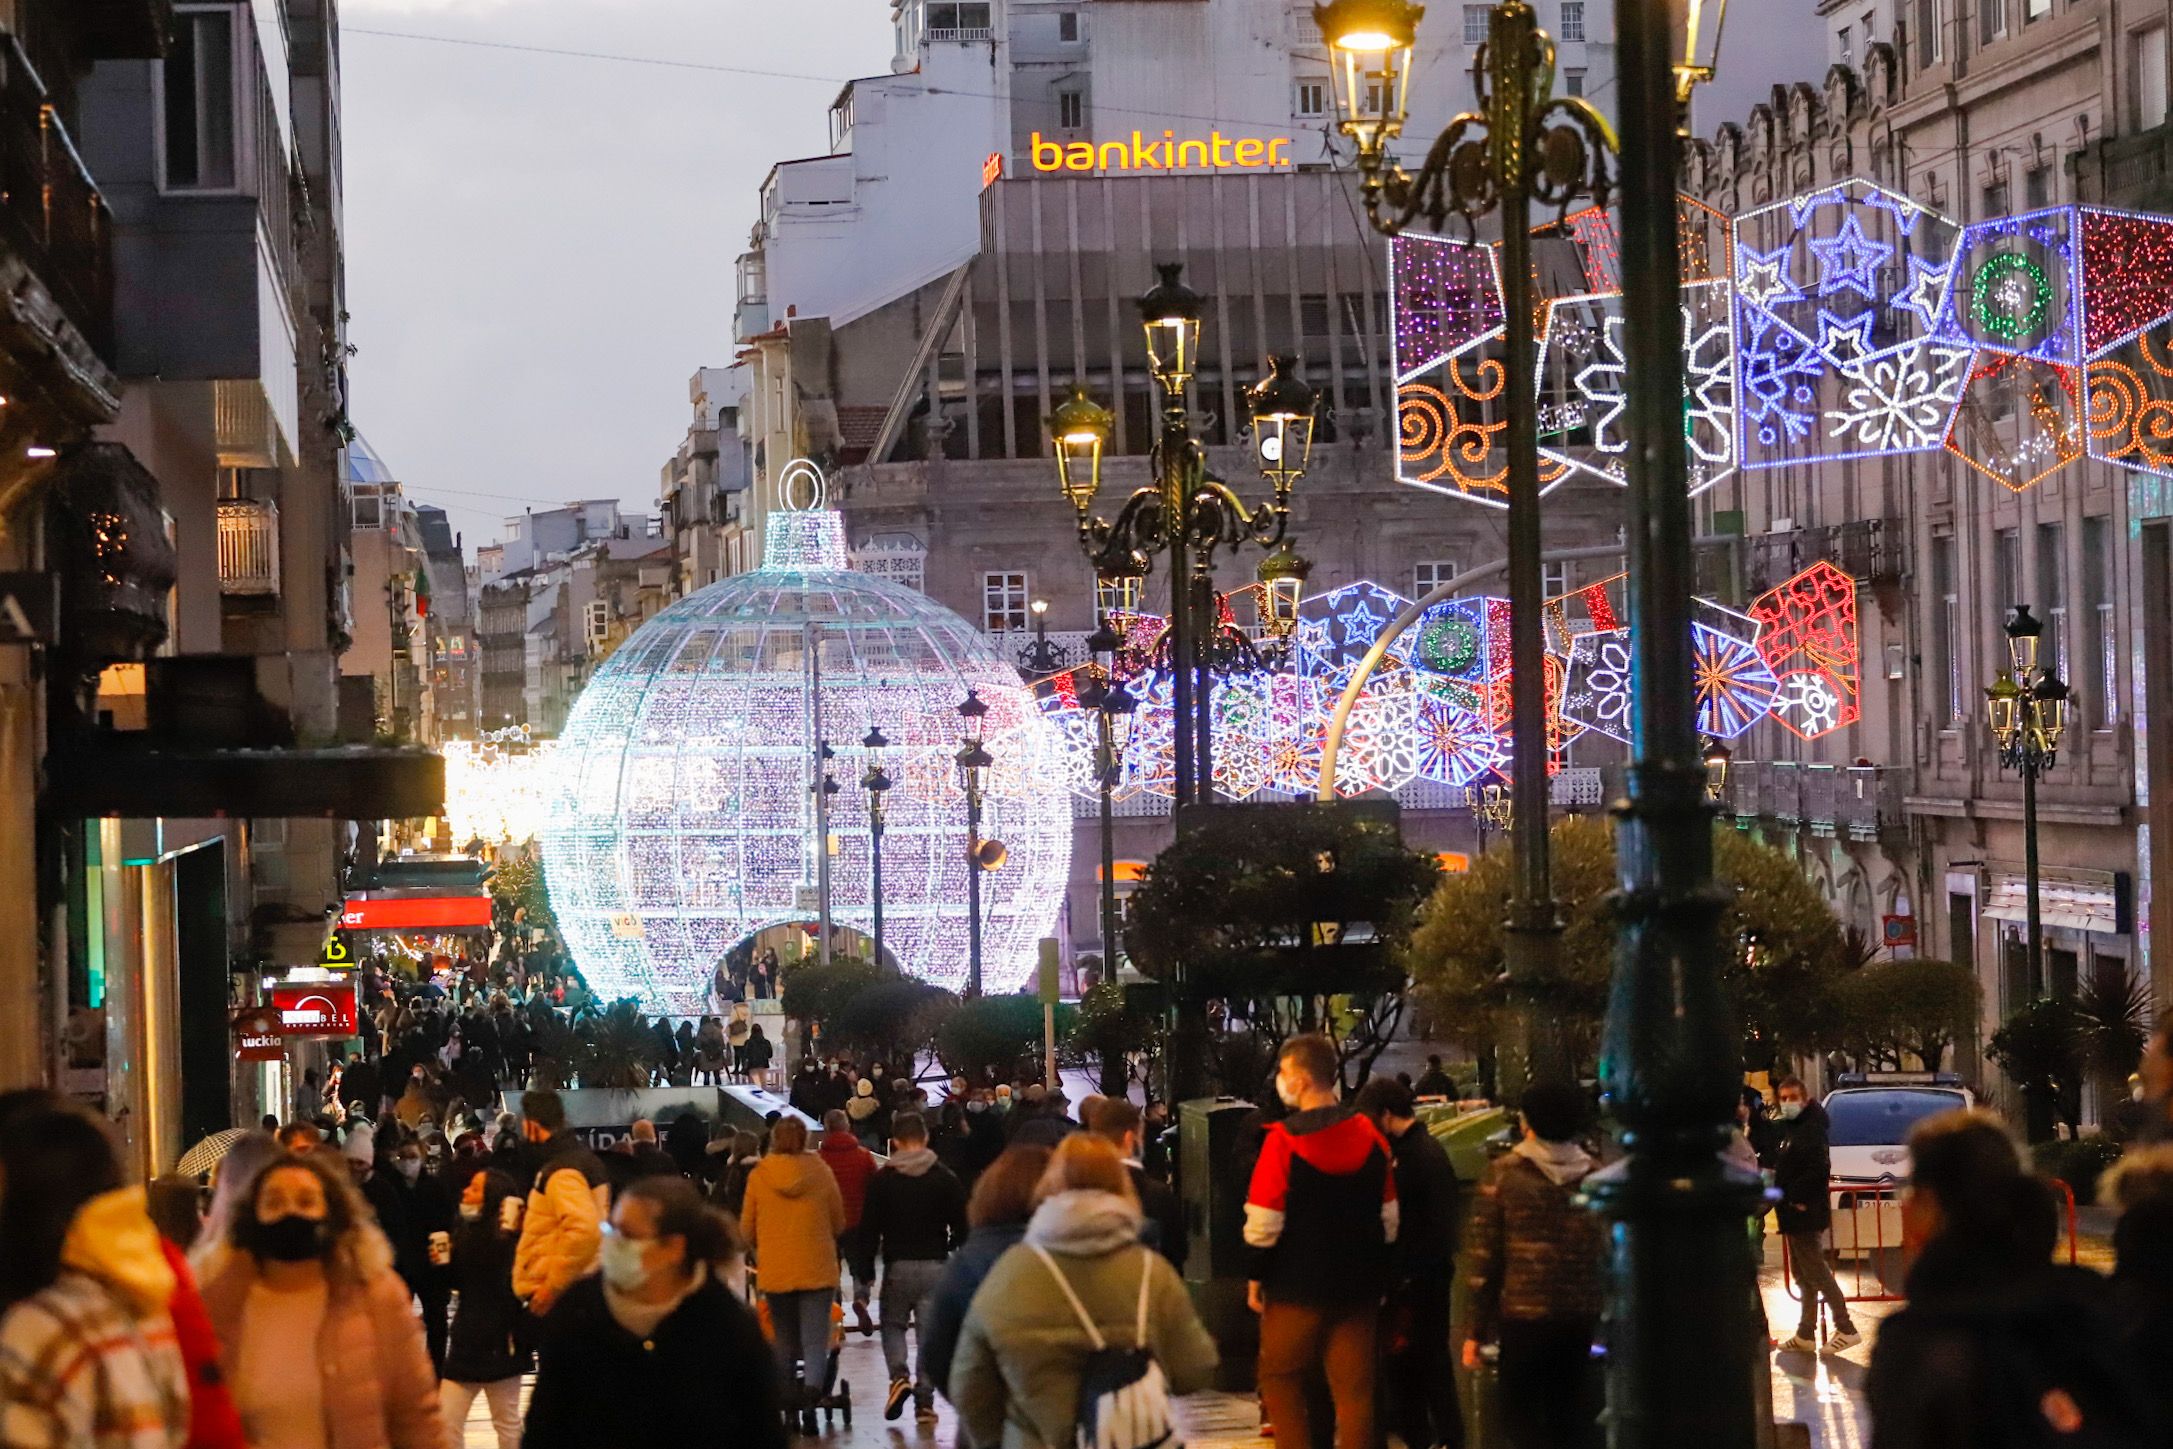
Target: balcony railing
2132,171
960,32
1863,802
248,547
1871,549
51,212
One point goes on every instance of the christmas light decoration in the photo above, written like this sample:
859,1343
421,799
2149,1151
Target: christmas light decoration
1808,639
682,820
497,788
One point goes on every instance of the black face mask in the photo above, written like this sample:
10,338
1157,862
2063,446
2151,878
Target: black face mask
288,1239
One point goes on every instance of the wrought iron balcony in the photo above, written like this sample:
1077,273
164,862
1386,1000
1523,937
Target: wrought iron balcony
1862,802
1873,550
51,212
248,547
2128,171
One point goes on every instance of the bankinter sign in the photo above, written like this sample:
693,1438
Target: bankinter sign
1217,153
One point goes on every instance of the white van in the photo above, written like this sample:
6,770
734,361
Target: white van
1868,1129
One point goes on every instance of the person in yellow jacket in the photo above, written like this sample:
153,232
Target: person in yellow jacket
792,1215
563,1230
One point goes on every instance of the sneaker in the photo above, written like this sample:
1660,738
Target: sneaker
900,1391
925,1416
807,1424
861,1321
1798,1343
1846,1339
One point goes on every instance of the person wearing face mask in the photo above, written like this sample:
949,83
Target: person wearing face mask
1802,1170
318,1339
683,1357
566,1206
485,1355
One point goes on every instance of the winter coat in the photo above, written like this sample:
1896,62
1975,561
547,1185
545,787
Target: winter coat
1321,1213
1426,1204
482,1347
1803,1171
760,1050
1165,1213
702,1377
853,1166
92,1360
792,1216
564,1227
944,1312
916,1209
1015,1378
1536,1253
379,1390
730,1193
213,1421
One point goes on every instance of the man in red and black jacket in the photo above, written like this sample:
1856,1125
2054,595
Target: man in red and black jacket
1320,1218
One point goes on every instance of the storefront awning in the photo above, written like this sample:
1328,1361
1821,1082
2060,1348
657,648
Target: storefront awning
2062,903
416,913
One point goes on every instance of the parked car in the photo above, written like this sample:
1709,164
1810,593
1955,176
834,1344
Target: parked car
1869,1136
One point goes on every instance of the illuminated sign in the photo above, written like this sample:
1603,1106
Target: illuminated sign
336,955
259,1036
315,1008
992,170
1217,153
417,913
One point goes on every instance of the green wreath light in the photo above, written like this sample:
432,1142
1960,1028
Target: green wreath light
1449,645
1995,313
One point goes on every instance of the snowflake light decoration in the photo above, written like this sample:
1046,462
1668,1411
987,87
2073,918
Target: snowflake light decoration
683,822
1808,640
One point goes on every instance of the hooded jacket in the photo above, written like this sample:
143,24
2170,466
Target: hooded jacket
92,1360
916,1209
1321,1212
944,1313
792,1216
1015,1377
1536,1253
853,1166
564,1227
379,1389
1803,1171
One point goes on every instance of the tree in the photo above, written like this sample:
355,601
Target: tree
1892,1010
816,994
1785,958
2041,1051
1000,1034
891,1018
1107,1030
521,894
617,1048
2113,1017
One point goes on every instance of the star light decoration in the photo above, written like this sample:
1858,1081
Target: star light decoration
1437,706
682,816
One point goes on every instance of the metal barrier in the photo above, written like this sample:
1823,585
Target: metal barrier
1845,1238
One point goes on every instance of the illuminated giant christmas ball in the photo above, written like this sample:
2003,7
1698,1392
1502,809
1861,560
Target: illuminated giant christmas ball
684,812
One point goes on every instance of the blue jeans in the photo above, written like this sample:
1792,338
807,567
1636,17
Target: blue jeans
907,1282
801,1323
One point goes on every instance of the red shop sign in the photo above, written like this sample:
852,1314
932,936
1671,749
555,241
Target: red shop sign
417,913
258,1035
315,1008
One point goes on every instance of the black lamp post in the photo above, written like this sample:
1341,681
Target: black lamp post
1189,514
1718,757
877,783
2027,708
973,762
1040,657
1113,706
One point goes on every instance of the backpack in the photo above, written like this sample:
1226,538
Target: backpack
1123,1397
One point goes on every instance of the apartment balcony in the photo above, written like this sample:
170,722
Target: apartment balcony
122,29
2135,171
1873,550
248,548
1858,802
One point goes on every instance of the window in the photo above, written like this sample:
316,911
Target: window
2052,597
1003,602
1554,580
1995,201
2037,187
1946,622
1067,25
1312,98
2035,10
1572,21
2006,572
1429,574
1991,20
1475,17
1573,82
2100,691
1870,27
1847,52
1070,110
1927,33
2148,54
199,114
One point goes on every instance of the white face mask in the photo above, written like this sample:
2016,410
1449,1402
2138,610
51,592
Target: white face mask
623,1265
410,1168
1790,1111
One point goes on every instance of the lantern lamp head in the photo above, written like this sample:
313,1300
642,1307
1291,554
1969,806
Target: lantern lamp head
1369,45
1283,573
2002,706
2024,629
1283,410
1171,313
1080,427
1718,757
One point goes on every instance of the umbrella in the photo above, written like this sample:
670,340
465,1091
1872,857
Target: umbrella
207,1154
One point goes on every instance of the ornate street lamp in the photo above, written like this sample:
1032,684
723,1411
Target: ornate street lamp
1040,657
973,761
2026,707
1718,757
1283,410
1282,576
876,781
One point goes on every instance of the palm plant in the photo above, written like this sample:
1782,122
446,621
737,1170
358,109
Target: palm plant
2113,1021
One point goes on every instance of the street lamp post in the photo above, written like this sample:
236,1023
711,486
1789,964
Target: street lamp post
1040,657
1113,705
1718,758
1522,145
973,761
876,781
2026,706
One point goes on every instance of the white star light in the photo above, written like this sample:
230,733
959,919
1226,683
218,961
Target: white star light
1762,277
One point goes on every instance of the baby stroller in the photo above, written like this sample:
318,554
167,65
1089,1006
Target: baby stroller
836,1397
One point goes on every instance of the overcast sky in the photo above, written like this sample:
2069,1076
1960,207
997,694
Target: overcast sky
540,248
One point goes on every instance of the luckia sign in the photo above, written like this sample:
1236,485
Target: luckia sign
1140,154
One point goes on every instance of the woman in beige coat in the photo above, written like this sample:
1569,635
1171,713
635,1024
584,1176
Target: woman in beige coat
1020,1355
318,1336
